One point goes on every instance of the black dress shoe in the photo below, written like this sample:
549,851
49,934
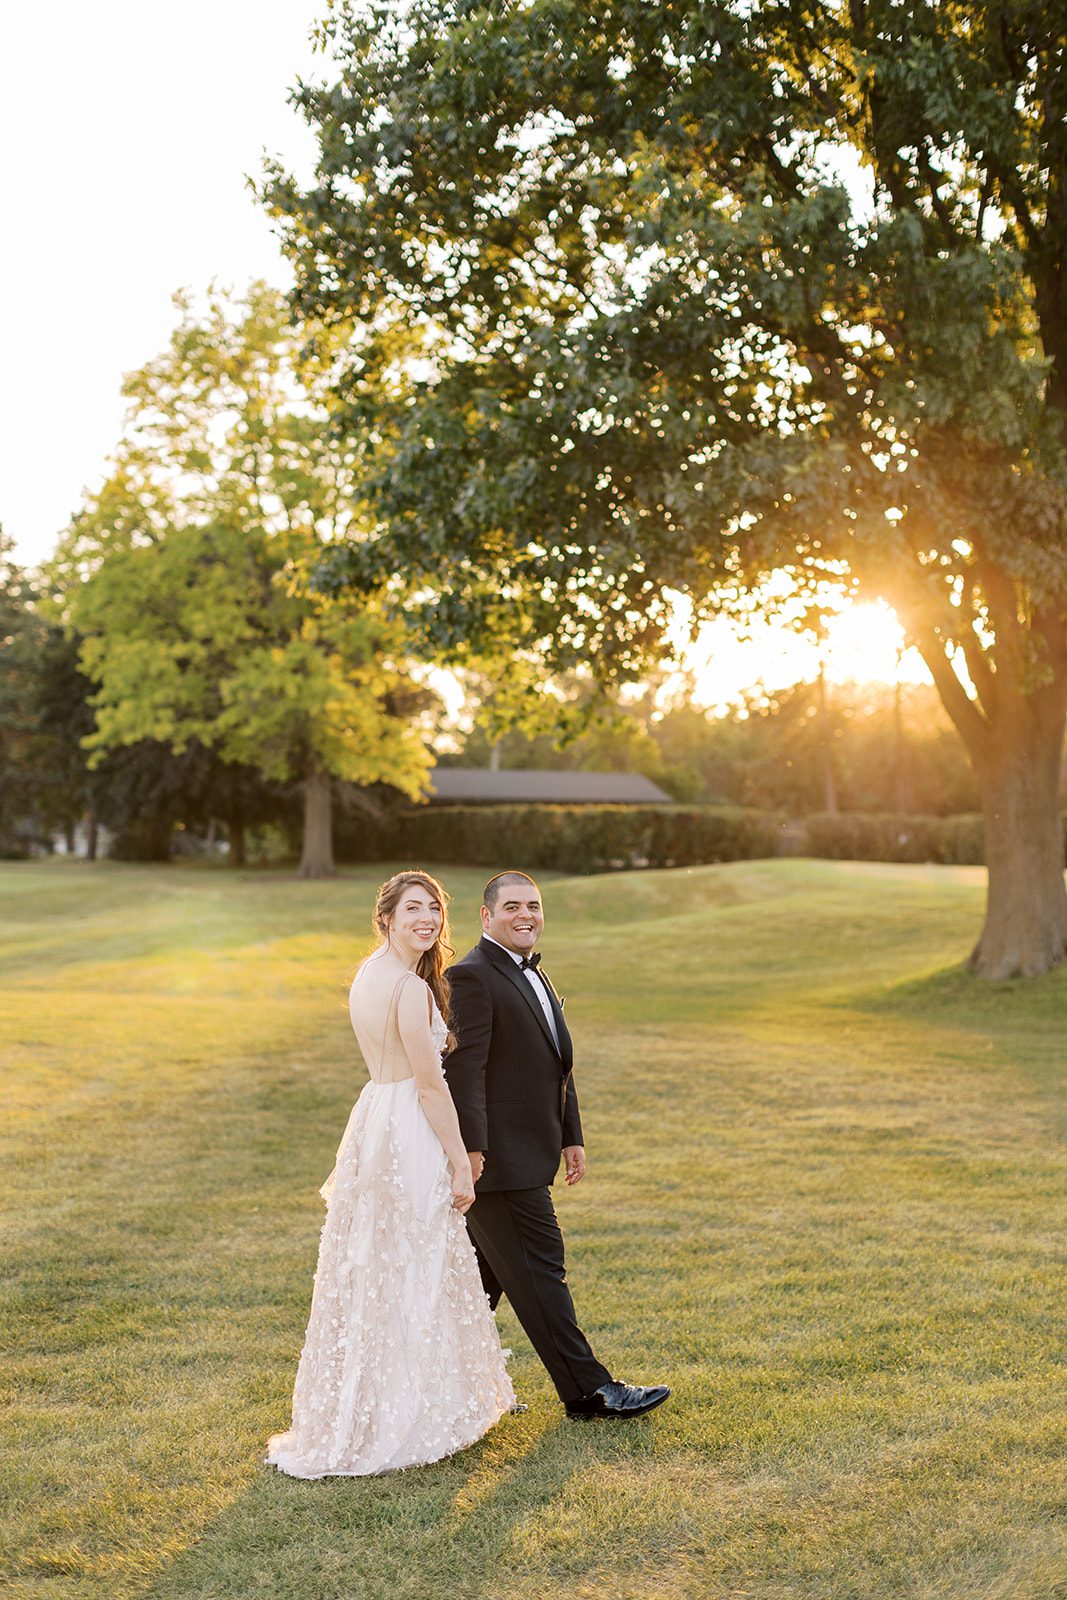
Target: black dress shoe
618,1400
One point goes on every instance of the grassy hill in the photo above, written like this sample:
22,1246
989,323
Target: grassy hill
825,1202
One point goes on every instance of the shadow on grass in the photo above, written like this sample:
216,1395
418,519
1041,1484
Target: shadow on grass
956,991
457,1527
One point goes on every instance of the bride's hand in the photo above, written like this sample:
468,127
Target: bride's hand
462,1187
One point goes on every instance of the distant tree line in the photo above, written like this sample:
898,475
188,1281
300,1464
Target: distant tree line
882,749
867,747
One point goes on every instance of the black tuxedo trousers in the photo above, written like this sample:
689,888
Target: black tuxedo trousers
510,1077
520,1254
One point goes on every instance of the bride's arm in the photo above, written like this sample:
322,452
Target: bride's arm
465,1066
413,1021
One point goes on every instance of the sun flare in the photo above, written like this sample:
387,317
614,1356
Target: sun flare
863,643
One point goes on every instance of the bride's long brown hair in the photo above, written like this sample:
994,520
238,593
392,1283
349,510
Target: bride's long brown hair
432,963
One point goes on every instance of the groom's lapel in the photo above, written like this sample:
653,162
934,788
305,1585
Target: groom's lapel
566,1048
503,962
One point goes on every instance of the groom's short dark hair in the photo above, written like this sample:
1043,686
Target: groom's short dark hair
492,889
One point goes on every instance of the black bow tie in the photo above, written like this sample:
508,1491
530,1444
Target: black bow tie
531,963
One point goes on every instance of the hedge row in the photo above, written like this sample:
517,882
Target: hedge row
575,838
611,838
892,836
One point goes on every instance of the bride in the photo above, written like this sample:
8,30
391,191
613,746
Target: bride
401,1362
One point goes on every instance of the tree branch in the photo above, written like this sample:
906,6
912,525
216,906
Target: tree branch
983,203
1000,596
804,46
981,672
966,715
1013,193
934,180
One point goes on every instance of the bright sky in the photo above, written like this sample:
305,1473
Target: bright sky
128,131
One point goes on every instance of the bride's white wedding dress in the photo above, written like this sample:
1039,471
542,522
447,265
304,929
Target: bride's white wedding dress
401,1362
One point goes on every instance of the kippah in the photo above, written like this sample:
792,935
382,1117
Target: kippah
510,872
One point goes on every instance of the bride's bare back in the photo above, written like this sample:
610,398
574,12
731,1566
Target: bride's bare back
373,1005
401,1034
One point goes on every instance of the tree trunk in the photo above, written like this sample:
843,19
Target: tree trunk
92,832
1025,931
826,748
69,836
157,837
238,848
317,858
901,764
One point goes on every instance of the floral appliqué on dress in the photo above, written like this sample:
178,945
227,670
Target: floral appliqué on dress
402,1363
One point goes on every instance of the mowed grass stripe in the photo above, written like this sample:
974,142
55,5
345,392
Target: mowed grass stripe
825,1201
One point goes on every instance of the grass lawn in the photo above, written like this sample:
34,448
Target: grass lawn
825,1202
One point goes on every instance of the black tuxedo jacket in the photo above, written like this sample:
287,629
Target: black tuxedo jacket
513,1089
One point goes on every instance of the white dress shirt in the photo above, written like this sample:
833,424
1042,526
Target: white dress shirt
533,978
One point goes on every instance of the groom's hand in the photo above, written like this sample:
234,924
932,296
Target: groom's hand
477,1160
574,1156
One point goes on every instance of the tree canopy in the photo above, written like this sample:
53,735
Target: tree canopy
187,575
661,298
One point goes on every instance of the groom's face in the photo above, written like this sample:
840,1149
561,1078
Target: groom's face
516,918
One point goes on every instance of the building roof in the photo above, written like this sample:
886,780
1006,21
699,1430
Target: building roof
524,786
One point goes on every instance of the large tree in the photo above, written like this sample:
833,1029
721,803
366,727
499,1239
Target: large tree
642,299
186,577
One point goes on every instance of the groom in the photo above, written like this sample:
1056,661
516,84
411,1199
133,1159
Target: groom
510,1077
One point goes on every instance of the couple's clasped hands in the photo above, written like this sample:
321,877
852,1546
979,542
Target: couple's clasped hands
464,1177
463,1181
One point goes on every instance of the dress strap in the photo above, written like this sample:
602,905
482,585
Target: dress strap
391,1037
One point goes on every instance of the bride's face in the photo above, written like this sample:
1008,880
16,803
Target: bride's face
416,922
